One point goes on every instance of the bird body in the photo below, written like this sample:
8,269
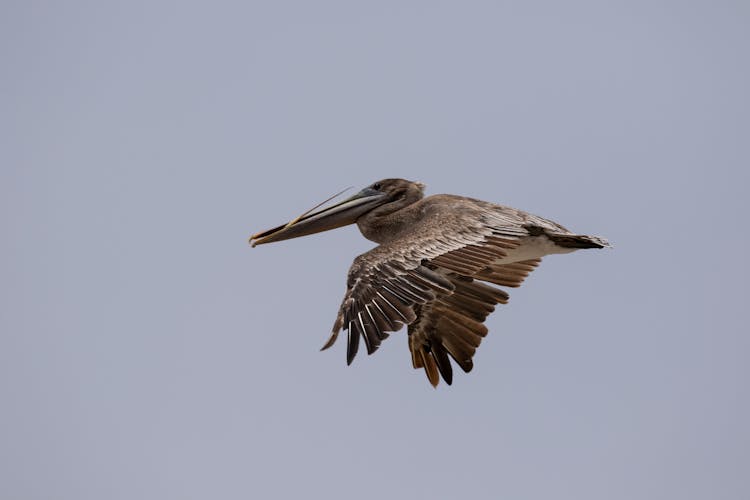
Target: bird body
433,269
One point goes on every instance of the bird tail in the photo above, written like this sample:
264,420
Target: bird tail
578,241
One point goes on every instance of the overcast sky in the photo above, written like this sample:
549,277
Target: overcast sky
147,352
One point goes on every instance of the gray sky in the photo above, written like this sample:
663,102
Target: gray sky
146,352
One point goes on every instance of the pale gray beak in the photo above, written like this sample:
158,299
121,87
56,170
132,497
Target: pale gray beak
341,214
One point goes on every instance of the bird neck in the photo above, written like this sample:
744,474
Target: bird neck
386,226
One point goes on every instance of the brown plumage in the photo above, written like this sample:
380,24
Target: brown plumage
429,271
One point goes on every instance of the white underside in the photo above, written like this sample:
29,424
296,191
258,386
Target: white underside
533,247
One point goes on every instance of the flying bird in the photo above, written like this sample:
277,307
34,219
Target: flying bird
434,268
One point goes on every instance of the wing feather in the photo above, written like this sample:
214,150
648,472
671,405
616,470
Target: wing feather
452,325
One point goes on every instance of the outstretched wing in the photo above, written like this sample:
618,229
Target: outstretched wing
381,299
453,324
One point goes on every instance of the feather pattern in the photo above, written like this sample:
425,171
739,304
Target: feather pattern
453,325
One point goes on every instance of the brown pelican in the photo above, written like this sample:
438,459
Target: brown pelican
431,269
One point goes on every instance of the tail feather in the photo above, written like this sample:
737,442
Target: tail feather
578,241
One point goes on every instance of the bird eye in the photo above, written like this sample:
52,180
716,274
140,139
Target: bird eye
376,186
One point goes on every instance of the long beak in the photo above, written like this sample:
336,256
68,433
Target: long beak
341,214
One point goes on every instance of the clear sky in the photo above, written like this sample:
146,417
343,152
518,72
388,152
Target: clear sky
147,352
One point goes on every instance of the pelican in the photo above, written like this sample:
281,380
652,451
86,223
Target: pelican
433,269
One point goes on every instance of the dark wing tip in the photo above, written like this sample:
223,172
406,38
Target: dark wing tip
440,354
352,345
